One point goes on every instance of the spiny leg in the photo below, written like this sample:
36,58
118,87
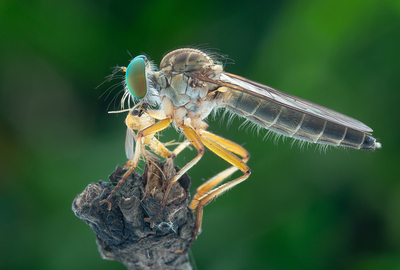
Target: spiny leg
159,126
208,197
217,179
155,145
192,136
211,183
160,149
181,147
139,119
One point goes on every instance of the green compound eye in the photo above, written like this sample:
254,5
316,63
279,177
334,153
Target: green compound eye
135,77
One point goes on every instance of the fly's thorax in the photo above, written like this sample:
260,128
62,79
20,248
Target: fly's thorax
189,122
181,76
185,60
179,116
160,79
195,120
180,82
176,97
167,106
182,89
201,108
205,107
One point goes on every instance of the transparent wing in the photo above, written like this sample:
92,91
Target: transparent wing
129,143
268,93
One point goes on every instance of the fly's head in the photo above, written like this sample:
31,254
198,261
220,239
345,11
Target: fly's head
139,83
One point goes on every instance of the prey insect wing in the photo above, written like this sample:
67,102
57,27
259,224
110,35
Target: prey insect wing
129,143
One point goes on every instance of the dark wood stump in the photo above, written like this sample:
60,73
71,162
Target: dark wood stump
123,235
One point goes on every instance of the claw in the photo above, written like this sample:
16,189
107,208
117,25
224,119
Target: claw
108,201
151,222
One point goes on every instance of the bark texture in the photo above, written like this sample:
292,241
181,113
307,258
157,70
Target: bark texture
123,235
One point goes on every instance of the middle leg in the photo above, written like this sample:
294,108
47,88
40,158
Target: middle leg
207,197
217,179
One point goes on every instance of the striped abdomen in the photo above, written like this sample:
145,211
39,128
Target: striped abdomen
297,124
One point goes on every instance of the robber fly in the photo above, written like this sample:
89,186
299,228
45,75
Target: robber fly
191,83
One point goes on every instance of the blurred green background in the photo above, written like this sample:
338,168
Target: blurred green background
300,209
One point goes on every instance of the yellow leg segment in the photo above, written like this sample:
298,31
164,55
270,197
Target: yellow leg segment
211,183
158,147
181,147
206,198
228,145
217,179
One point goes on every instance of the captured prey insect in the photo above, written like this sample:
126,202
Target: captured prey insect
191,84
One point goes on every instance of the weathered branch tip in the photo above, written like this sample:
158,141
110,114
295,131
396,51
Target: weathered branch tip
123,235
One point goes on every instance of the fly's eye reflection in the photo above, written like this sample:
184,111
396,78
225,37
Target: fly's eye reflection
135,77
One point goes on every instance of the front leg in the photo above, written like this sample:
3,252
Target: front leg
159,126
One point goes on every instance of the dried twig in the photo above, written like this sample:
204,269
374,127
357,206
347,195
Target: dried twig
122,233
